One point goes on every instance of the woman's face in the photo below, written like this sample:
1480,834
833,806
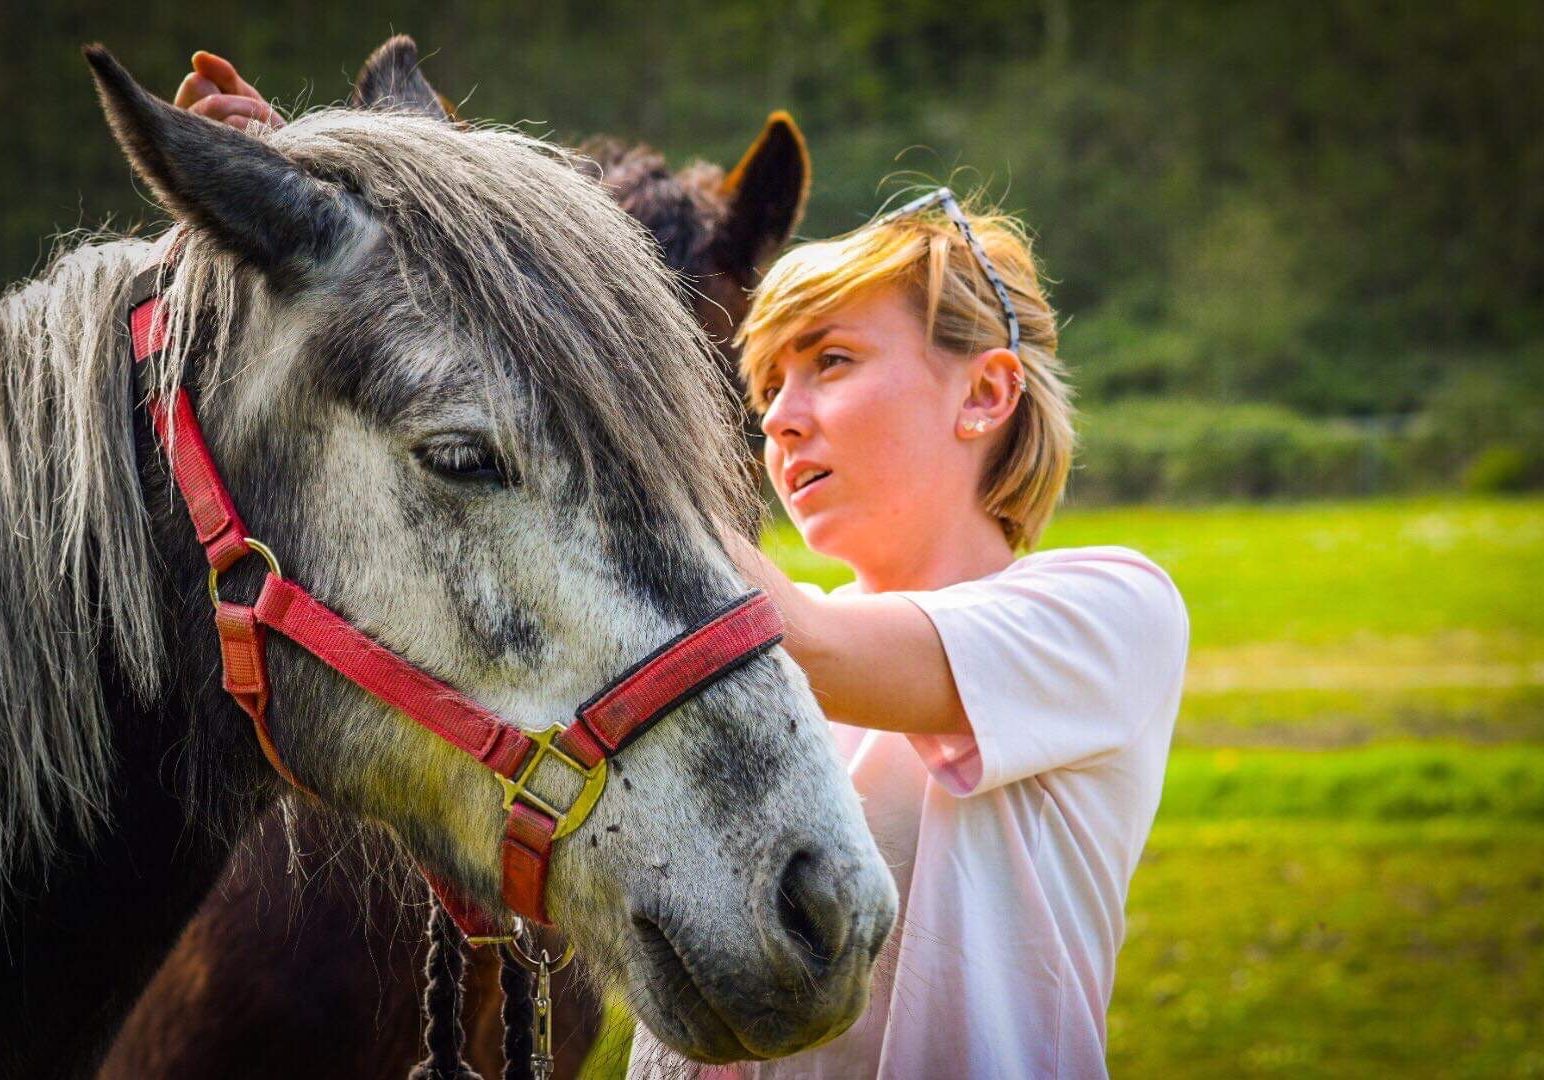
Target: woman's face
861,431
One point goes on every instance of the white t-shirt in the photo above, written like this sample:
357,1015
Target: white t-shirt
1012,847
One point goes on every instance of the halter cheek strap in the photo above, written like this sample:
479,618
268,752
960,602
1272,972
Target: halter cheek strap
622,711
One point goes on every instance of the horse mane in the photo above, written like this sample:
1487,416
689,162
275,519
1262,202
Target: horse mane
75,570
591,341
593,335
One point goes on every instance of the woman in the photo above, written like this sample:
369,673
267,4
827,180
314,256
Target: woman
1007,718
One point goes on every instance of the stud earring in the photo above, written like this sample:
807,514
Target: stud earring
977,426
1020,382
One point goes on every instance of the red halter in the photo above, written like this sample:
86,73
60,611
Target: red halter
625,709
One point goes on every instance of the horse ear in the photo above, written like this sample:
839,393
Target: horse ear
253,199
766,191
390,79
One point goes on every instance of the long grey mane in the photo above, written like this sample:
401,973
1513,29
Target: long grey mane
74,566
591,337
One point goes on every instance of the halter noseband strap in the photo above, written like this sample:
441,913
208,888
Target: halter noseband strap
621,712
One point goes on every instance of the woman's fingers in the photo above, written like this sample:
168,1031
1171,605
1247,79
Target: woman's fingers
215,89
194,86
236,110
223,74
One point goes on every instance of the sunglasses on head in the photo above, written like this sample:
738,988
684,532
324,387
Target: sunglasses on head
945,198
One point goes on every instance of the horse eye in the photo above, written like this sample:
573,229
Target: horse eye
466,460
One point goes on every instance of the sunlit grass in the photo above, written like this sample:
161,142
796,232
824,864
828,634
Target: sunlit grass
1317,573
1379,783
1335,573
1349,717
1330,948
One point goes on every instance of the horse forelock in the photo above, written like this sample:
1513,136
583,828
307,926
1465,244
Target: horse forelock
570,321
558,309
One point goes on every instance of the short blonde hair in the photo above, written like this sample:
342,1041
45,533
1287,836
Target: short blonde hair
926,255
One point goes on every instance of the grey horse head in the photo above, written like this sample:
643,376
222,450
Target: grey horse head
448,381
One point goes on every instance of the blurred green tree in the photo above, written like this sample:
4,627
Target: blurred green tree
1329,207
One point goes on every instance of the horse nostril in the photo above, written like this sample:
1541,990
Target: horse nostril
811,910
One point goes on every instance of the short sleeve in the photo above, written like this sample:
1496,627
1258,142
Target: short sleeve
809,588
1060,660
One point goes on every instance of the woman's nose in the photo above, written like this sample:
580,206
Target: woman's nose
787,417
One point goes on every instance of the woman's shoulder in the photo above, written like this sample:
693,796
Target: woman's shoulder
1107,555
1044,568
1094,637
1106,580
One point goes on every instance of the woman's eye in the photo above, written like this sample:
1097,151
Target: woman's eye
461,460
769,392
827,361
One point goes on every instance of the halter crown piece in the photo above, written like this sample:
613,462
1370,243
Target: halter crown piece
623,710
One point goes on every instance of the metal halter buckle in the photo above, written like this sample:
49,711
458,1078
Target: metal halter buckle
515,788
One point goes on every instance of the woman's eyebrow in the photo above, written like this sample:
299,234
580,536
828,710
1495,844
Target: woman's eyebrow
810,337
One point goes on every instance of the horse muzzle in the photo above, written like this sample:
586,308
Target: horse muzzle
790,976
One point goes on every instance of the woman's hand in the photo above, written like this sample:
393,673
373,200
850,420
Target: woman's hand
214,89
874,661
761,572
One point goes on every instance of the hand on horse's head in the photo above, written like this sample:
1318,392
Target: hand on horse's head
214,89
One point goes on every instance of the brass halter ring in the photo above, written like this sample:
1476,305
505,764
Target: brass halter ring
256,545
553,964
533,964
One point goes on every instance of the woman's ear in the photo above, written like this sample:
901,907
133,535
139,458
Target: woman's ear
996,383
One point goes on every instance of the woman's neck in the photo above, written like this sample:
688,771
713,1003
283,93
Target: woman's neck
958,548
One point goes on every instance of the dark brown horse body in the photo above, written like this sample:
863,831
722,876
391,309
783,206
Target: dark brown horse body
304,961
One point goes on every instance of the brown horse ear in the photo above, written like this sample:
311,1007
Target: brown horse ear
245,194
390,79
766,191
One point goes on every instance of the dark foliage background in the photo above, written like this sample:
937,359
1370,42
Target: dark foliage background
1319,225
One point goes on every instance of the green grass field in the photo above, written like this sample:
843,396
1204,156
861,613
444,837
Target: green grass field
1347,873
1334,947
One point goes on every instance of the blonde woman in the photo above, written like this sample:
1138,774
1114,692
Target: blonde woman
1005,716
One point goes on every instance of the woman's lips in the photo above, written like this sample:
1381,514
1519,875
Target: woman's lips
799,496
